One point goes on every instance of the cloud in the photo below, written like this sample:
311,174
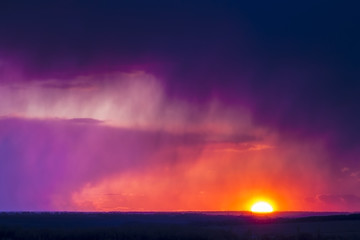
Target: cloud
335,199
250,109
63,144
57,164
85,121
86,86
133,100
44,161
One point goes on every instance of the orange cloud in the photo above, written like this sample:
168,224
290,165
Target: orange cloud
214,180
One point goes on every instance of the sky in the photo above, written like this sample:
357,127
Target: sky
179,105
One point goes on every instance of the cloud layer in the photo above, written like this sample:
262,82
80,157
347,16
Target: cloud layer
179,106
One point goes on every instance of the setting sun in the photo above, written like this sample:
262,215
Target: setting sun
262,207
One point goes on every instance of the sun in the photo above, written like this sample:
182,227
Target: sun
262,207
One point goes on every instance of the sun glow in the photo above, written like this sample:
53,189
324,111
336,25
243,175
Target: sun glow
262,207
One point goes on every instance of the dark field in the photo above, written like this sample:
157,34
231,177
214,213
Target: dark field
287,226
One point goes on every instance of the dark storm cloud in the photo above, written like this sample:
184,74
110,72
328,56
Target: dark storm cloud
43,160
294,64
299,57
